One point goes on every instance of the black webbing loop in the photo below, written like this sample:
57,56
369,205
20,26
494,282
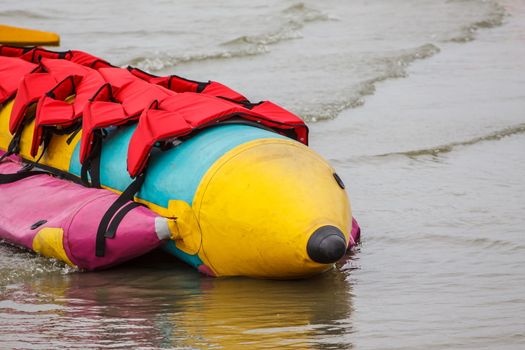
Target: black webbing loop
123,199
46,140
14,145
5,155
113,226
84,174
94,171
25,171
92,163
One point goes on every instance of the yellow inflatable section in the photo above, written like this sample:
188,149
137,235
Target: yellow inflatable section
240,204
59,151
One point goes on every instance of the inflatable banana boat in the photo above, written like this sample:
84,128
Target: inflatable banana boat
101,164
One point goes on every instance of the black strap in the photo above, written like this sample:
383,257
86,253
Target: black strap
9,178
73,135
126,196
113,226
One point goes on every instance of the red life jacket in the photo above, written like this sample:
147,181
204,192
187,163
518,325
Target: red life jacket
183,113
179,84
31,88
17,62
31,54
13,51
120,100
52,108
48,87
11,72
85,59
282,117
35,54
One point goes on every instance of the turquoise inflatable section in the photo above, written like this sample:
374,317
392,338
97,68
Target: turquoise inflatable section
175,173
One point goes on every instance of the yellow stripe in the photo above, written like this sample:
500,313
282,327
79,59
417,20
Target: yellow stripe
59,152
50,242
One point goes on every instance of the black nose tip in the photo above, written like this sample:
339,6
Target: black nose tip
326,245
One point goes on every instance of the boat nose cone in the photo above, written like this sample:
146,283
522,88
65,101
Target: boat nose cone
271,208
326,245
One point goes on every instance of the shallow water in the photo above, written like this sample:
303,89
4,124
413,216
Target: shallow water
420,105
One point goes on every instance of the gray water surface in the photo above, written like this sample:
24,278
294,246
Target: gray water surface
420,105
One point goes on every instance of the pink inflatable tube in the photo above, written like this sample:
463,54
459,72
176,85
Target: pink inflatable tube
59,218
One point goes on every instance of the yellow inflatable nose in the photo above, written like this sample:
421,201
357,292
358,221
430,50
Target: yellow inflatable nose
272,208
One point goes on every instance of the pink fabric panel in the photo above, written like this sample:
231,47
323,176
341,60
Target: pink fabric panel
36,198
78,211
355,234
135,235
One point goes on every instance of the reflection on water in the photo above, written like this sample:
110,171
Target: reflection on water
152,304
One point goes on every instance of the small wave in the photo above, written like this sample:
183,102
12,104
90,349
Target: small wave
286,33
294,19
495,17
393,67
23,14
305,13
296,16
432,151
162,60
435,151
